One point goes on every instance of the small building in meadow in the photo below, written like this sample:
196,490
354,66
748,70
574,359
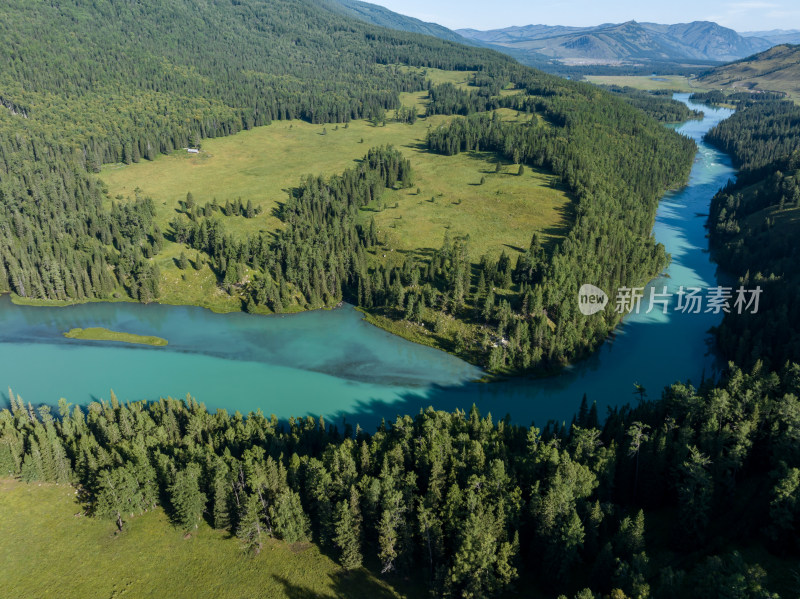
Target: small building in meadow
193,150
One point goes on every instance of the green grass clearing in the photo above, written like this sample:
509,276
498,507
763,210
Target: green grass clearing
262,164
438,76
649,82
499,215
48,549
103,334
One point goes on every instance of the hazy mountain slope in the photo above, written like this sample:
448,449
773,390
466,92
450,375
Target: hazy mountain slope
383,17
777,69
711,40
378,15
626,42
515,34
775,36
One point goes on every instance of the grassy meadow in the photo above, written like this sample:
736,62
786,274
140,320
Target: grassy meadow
263,164
103,334
48,549
649,82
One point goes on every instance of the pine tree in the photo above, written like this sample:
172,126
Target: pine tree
252,527
188,502
348,531
220,501
288,520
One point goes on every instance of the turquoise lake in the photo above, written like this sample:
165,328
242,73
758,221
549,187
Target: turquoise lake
332,363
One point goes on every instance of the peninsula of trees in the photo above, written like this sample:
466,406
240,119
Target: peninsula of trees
62,238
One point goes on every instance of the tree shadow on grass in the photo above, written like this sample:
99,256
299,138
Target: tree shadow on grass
418,254
355,584
420,146
555,233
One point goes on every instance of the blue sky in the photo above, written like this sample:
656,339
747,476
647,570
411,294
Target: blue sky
745,15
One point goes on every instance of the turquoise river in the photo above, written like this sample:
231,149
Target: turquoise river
332,363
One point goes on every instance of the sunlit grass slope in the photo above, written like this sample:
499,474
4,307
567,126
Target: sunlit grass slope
263,164
47,549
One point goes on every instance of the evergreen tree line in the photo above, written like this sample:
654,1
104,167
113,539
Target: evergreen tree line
760,132
753,229
740,99
753,226
658,104
616,187
473,506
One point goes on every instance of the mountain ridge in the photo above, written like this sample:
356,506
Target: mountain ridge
375,14
775,36
775,69
626,42
383,17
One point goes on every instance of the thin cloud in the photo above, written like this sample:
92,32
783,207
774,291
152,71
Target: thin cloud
747,6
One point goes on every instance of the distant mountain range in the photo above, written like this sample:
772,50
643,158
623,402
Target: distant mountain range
776,69
776,36
626,43
378,15
630,43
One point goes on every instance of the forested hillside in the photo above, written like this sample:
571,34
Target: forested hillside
693,494
776,69
171,74
121,82
659,501
378,15
762,131
754,224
